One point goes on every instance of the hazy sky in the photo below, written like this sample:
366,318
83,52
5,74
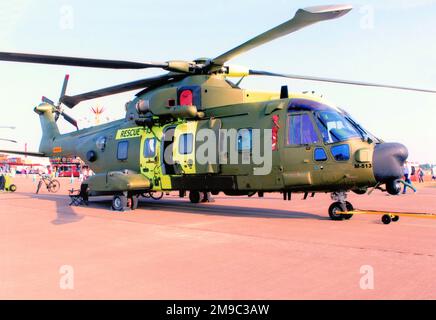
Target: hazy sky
390,41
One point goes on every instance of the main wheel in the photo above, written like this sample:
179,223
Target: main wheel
336,207
393,187
54,186
333,209
194,196
156,195
12,188
134,200
395,218
119,203
350,207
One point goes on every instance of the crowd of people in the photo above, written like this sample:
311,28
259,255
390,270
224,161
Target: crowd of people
84,172
419,173
409,171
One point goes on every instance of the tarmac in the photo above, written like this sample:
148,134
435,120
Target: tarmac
233,248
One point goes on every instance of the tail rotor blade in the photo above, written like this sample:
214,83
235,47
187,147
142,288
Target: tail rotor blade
70,120
64,88
47,100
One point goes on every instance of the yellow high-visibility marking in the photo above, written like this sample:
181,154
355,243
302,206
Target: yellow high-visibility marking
129,133
400,214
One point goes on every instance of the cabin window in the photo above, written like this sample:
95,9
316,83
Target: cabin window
320,155
123,150
150,148
301,130
244,140
341,152
186,143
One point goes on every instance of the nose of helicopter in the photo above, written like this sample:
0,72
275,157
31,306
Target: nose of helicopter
388,161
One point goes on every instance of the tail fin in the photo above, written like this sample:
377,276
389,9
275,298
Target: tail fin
50,130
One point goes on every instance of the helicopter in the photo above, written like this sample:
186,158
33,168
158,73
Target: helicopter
308,144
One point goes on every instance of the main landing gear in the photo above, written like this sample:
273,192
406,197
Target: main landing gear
197,196
122,202
340,205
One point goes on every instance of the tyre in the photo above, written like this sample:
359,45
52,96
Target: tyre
395,218
336,207
349,208
12,188
386,219
194,196
54,186
156,195
393,187
119,203
134,200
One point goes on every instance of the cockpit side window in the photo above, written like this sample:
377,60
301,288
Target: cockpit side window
301,130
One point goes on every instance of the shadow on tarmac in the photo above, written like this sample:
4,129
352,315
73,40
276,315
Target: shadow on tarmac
215,209
64,213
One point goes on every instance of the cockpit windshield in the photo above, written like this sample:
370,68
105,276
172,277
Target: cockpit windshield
335,124
335,127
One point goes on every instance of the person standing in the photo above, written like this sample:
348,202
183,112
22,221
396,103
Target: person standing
81,175
421,175
407,182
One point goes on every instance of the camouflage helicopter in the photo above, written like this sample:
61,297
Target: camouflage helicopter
313,145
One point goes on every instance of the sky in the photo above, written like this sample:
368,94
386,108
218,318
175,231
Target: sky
390,41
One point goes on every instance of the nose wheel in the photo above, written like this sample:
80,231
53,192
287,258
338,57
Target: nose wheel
336,207
393,187
340,205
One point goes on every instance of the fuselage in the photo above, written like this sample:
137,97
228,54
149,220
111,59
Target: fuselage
262,142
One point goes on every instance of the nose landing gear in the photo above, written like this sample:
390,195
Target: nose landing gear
340,205
394,187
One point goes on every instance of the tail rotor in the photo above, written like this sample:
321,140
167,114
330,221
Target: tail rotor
57,108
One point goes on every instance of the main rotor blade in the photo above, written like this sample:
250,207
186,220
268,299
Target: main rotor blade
8,140
71,101
303,18
340,81
24,153
78,62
